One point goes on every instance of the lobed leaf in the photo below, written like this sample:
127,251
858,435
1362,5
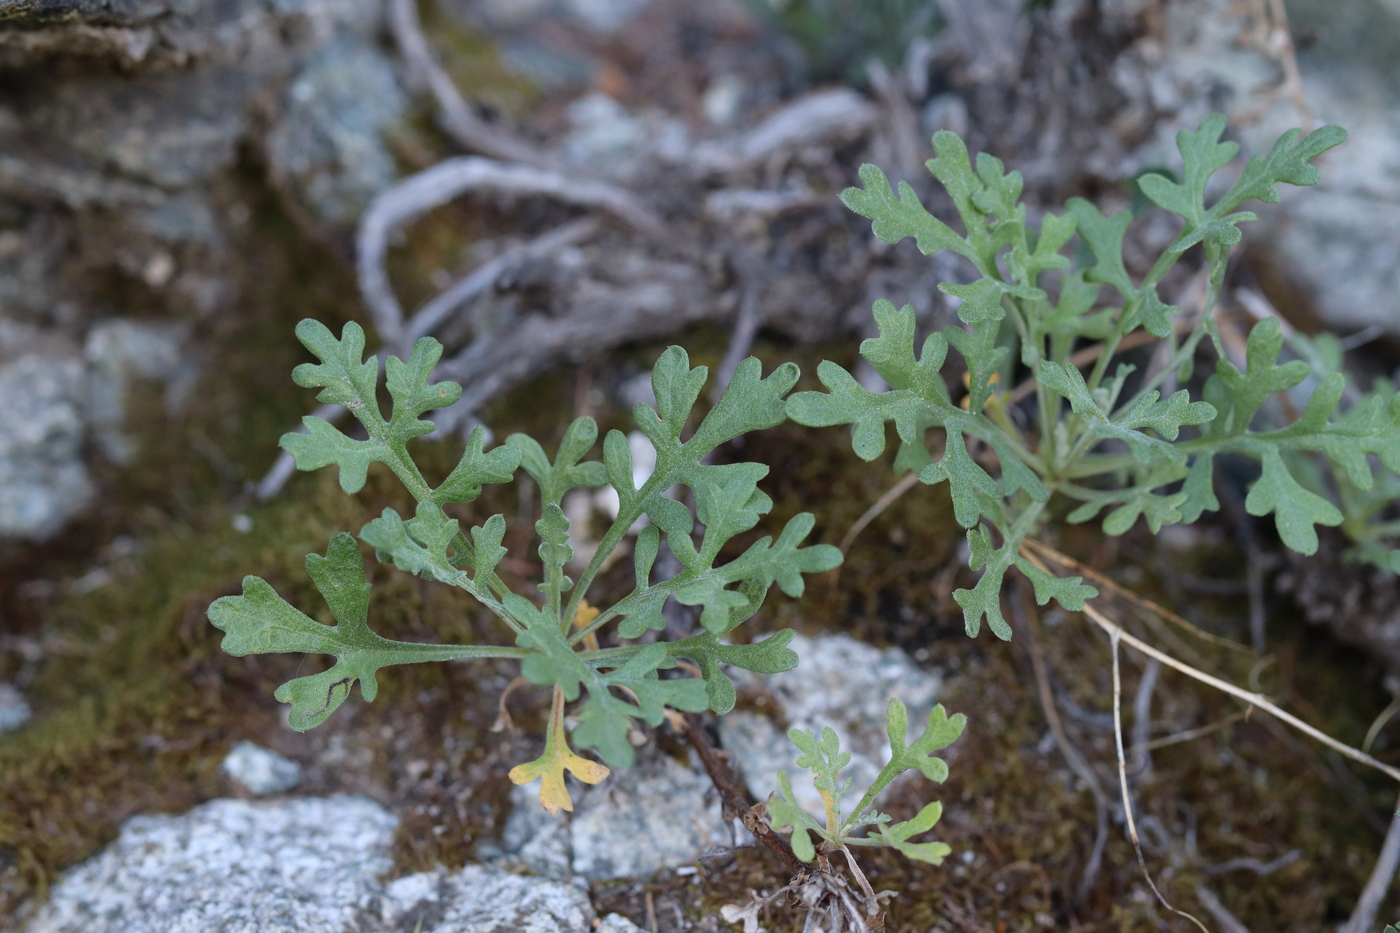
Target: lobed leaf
896,218
260,622
1296,509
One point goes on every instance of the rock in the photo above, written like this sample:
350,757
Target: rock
118,352
121,122
231,865
260,770
327,150
534,840
604,16
43,480
657,814
303,865
610,140
840,683
484,900
627,827
14,712
1332,250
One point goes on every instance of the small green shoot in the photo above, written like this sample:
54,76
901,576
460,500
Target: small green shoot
836,832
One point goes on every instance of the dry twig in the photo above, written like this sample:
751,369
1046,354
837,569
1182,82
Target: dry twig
1363,917
455,115
431,188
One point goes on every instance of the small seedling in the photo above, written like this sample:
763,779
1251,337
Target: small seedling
824,891
825,760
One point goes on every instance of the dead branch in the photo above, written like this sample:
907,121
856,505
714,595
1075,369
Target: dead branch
1229,923
484,277
737,804
416,195
1115,634
749,272
1363,918
1026,619
455,115
822,117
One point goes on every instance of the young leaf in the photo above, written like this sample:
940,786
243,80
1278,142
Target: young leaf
769,656
1069,592
892,354
555,552
1104,237
1203,155
1262,376
419,546
1158,510
565,472
897,836
1199,489
348,381
984,599
941,732
849,402
1286,163
965,477
784,814
408,386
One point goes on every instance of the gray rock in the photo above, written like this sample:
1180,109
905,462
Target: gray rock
534,840
14,712
484,900
605,16
1337,245
655,815
113,167
840,683
328,146
306,864
260,770
42,477
616,923
118,352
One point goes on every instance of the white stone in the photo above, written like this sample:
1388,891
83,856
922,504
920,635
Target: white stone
14,712
308,864
260,770
657,814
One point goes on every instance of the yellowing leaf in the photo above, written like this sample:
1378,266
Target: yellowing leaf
583,615
549,768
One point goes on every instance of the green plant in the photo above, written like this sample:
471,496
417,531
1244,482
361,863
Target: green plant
836,833
555,631
830,901
1105,439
